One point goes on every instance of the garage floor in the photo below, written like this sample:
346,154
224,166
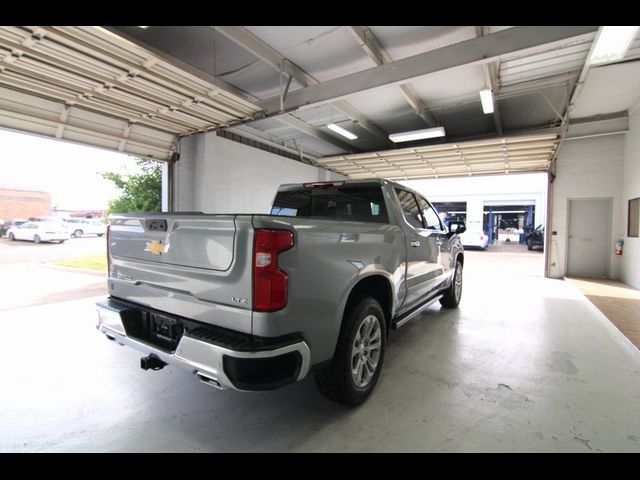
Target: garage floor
525,364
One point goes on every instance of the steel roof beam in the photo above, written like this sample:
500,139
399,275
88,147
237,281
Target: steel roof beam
316,132
479,50
372,47
247,40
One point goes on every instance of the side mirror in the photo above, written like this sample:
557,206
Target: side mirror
456,228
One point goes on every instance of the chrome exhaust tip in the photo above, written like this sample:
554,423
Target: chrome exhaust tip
209,380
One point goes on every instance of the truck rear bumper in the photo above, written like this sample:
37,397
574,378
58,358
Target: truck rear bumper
254,366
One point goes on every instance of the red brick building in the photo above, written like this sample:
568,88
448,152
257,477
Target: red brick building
23,203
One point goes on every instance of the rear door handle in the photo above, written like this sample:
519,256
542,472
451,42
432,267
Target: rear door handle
415,243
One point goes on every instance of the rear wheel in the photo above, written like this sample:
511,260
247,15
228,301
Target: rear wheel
529,244
12,237
36,239
353,373
77,233
452,295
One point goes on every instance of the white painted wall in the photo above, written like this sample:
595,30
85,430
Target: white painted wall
490,190
587,168
630,259
217,175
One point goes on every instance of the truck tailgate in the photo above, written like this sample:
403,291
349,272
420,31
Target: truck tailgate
196,266
192,242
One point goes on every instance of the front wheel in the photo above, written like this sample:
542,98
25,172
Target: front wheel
452,295
529,244
36,239
12,237
77,233
354,370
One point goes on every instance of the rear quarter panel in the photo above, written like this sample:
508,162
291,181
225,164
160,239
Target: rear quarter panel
329,257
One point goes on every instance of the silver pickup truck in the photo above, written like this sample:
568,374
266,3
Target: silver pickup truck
254,302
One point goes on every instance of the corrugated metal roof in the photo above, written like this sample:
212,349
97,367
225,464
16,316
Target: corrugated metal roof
321,115
406,41
569,57
519,112
500,155
383,104
325,53
450,86
285,133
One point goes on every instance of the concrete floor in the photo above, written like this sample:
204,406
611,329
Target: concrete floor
525,364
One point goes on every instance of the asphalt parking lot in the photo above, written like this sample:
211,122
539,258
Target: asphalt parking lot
28,278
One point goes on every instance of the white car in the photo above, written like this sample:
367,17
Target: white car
39,232
475,239
85,226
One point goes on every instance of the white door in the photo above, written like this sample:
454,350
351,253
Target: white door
589,233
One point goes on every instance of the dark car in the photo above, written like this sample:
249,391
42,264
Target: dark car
4,227
535,238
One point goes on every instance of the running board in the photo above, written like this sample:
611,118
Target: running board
408,316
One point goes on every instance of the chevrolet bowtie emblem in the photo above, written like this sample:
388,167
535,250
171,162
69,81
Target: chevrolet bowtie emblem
156,247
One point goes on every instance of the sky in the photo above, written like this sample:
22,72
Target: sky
68,171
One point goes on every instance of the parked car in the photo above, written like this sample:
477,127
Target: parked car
6,225
85,226
475,239
254,302
536,238
39,232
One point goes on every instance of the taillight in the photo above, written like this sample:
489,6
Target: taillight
481,237
269,282
108,251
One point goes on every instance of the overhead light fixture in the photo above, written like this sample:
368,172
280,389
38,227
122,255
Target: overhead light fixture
341,131
612,44
143,27
486,98
417,134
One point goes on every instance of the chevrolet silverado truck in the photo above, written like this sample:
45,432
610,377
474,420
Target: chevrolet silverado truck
254,302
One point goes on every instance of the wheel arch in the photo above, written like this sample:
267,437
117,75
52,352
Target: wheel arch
377,287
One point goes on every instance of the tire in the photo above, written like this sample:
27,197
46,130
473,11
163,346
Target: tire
452,295
36,239
61,241
99,234
12,237
529,245
338,380
77,233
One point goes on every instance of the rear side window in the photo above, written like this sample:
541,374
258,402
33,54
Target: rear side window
410,208
361,204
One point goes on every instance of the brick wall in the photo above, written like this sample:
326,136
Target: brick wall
23,204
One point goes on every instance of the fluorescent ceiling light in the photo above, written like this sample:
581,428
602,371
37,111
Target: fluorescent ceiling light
487,100
341,131
417,134
143,27
612,44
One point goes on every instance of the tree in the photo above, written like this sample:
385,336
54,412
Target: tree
140,192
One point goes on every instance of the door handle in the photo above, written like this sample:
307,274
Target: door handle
415,243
